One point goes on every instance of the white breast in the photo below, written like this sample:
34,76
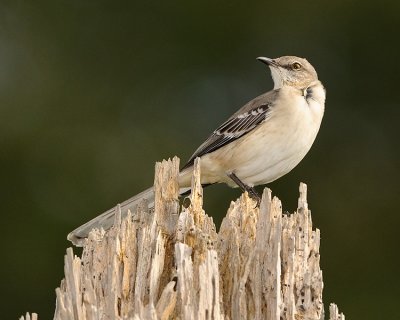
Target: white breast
275,147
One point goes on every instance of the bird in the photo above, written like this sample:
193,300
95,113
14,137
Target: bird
261,142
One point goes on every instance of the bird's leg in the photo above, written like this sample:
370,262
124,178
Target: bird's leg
250,190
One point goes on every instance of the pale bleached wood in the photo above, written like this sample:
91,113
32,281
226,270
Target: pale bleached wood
334,313
169,262
29,316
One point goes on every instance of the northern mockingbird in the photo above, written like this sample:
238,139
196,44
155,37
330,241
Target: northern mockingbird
258,144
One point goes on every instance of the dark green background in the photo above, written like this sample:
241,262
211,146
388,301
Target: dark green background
92,93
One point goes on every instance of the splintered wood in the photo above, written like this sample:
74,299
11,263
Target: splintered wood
169,263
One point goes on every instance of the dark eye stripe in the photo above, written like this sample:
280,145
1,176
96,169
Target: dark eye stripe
290,65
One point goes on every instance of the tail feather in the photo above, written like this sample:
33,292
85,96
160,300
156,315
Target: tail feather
106,219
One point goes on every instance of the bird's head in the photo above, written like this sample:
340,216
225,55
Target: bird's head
291,71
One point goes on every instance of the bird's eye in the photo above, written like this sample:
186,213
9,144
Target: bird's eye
296,66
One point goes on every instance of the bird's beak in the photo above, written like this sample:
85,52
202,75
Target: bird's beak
268,61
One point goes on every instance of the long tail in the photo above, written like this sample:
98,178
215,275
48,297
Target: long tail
106,219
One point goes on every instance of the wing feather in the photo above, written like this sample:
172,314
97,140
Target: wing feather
242,122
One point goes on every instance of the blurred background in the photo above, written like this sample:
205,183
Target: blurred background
93,92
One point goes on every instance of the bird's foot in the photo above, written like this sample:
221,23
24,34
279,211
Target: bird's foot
254,195
252,192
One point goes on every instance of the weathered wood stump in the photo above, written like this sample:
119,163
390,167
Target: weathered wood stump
170,263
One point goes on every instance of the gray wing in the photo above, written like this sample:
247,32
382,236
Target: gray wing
242,122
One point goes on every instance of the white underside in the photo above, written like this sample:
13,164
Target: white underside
271,150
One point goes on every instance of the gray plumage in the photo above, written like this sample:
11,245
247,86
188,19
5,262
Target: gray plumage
240,123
